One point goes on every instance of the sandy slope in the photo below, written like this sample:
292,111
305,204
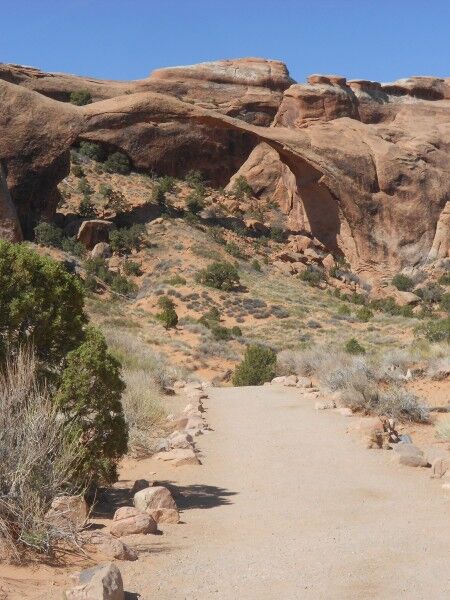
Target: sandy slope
287,506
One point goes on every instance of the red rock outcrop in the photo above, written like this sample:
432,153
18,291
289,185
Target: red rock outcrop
363,169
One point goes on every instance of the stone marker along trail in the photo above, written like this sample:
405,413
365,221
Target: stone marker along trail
287,506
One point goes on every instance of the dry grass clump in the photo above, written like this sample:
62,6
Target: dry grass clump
147,375
443,430
361,380
37,461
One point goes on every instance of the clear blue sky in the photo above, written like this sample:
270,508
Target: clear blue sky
374,39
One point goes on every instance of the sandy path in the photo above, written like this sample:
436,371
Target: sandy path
287,506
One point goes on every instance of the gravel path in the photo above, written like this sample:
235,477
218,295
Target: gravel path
287,506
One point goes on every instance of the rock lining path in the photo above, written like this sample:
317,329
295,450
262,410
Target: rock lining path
288,506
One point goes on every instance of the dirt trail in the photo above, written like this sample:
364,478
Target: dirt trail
287,506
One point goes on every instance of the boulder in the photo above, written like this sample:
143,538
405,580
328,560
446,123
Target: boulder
99,583
140,484
68,511
128,520
304,382
180,439
409,455
279,380
166,515
345,412
290,381
179,457
93,232
101,250
324,405
407,298
328,262
109,545
154,498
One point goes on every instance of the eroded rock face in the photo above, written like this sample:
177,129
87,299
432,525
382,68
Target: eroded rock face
362,167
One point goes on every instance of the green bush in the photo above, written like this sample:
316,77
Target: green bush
168,315
277,234
364,314
235,251
221,333
122,285
40,304
167,184
445,279
431,293
89,397
118,162
48,234
84,187
77,170
344,310
436,330
86,209
256,265
445,302
257,367
124,240
195,202
80,98
312,276
403,282
92,150
213,314
116,201
354,347
242,187
72,246
406,311
219,275
131,267
175,280
236,331
194,178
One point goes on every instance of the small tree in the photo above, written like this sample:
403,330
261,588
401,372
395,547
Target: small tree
219,275
40,303
257,367
48,234
118,162
124,240
89,397
168,315
116,201
86,208
403,282
364,314
242,187
80,98
92,150
354,347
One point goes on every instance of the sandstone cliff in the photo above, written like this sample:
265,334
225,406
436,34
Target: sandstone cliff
362,166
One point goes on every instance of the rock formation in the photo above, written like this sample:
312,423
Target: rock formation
361,166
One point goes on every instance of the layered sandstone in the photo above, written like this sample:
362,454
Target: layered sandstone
363,167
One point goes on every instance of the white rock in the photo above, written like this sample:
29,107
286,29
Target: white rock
153,498
304,382
345,412
279,380
99,583
68,511
324,405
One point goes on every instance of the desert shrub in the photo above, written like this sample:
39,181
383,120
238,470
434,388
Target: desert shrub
131,267
219,275
97,267
118,162
80,97
40,303
236,331
123,240
86,209
364,314
431,293
234,250
352,346
257,367
344,310
444,279
387,305
168,316
77,170
399,403
256,265
216,235
92,150
436,330
195,202
122,285
312,276
175,280
277,234
116,201
89,398
72,246
241,187
48,234
445,302
38,461
403,282
167,184
406,311
221,333
84,187
194,178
